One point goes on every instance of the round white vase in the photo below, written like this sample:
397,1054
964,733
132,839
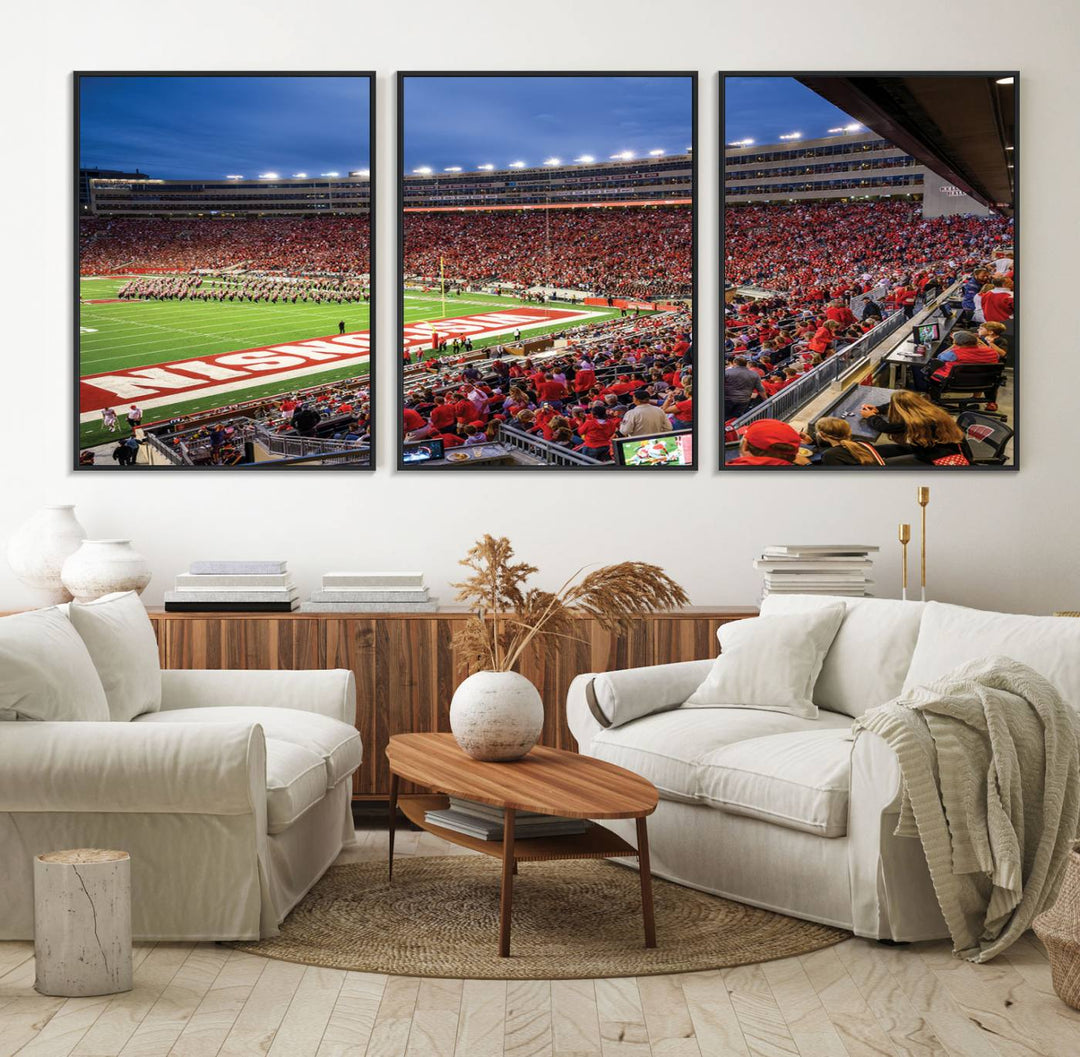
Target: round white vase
37,551
496,715
100,567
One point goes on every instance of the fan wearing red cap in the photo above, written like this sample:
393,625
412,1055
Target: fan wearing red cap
768,442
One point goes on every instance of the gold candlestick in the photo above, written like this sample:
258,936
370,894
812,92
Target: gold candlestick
924,500
904,535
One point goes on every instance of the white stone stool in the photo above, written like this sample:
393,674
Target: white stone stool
82,922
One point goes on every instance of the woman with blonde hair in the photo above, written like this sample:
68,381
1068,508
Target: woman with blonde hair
840,448
920,428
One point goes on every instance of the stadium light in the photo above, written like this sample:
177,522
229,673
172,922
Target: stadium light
486,167
839,128
623,155
330,174
1004,80
853,127
553,161
452,168
659,152
517,165
742,143
299,175
792,135
233,176
585,159
359,172
269,176
423,170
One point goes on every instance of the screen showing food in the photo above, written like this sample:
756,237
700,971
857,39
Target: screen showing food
425,452
665,449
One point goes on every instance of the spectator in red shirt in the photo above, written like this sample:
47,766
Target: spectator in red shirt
997,303
596,433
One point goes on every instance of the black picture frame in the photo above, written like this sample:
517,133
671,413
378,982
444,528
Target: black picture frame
609,467
370,76
1015,465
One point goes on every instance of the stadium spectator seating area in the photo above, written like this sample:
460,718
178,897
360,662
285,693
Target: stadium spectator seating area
808,281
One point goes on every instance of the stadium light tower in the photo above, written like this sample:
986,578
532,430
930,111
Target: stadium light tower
585,159
658,152
791,135
486,167
623,155
359,172
233,176
299,175
553,161
517,165
331,174
452,168
853,127
269,176
742,143
423,170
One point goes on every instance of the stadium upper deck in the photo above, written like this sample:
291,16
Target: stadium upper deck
667,180
833,167
231,197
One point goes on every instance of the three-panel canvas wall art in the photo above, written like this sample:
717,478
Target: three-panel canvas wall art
548,246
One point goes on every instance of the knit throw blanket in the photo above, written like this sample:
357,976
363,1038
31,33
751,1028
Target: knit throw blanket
990,761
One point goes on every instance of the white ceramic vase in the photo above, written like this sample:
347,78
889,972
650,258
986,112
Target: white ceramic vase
100,567
496,715
38,550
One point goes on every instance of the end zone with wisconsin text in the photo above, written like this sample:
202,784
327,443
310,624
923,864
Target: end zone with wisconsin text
230,372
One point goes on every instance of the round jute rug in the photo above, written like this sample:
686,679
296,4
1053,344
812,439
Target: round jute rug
577,918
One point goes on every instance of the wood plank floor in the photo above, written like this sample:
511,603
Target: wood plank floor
857,999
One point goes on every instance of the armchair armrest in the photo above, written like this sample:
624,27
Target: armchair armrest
187,768
610,699
329,692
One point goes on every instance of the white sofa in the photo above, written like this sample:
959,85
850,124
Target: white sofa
794,814
232,793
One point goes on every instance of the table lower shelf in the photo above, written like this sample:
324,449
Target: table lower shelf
595,843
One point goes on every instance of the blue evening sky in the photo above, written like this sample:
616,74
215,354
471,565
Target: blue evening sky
471,121
765,108
211,127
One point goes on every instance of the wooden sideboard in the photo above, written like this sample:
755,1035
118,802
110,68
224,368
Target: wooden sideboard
406,667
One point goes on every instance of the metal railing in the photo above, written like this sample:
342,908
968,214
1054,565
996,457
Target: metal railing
551,453
290,445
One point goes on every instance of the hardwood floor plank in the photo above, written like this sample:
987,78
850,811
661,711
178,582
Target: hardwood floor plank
622,1021
715,1024
390,1033
254,1028
807,1020
302,1027
667,1018
528,1019
575,1022
763,1025
348,1031
482,1023
435,1020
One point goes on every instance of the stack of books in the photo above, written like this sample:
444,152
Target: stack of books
486,822
234,587
817,569
371,593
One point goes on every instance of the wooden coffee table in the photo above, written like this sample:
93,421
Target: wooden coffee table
549,781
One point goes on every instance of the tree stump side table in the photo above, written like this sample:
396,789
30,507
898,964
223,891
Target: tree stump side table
1059,930
82,922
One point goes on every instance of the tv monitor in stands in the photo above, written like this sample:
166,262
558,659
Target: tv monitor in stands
925,333
425,451
657,449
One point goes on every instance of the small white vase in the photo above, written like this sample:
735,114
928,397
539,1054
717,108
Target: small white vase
496,715
100,567
37,551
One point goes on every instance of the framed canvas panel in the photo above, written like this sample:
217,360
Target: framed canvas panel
225,303
870,285
547,248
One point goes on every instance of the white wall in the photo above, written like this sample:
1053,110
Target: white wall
1003,540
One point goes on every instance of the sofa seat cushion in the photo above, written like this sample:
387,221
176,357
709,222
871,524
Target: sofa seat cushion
295,781
799,780
337,744
670,748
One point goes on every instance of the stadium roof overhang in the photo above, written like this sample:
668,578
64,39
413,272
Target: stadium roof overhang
958,125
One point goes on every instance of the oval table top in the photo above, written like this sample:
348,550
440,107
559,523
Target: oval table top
548,781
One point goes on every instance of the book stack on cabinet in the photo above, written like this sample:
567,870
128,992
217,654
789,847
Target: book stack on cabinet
234,587
371,593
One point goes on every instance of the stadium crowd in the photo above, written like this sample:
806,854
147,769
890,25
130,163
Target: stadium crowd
642,252
334,245
625,377
234,287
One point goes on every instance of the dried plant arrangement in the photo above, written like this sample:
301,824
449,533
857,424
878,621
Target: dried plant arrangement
508,615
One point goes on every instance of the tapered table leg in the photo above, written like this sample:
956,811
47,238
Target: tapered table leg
506,897
393,822
646,882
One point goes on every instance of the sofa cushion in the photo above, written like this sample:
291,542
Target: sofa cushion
336,743
629,694
870,656
953,635
669,748
295,780
45,670
799,780
770,662
120,639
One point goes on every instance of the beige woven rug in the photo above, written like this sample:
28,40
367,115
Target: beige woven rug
577,918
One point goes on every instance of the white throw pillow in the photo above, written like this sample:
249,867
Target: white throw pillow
770,663
121,641
45,670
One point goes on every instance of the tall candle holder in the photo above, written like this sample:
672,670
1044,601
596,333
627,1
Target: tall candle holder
923,497
904,535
